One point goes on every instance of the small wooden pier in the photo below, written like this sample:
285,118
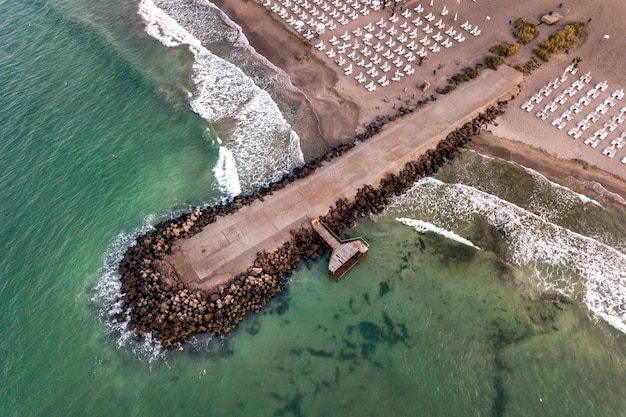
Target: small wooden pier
346,253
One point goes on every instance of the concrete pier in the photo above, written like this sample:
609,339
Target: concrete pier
229,246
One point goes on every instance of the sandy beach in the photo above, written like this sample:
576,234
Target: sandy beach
342,105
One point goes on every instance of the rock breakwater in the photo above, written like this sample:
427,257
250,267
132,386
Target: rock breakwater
154,299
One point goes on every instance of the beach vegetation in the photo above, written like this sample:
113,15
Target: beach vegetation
493,61
471,72
560,40
459,78
466,74
446,89
505,49
524,31
529,66
543,54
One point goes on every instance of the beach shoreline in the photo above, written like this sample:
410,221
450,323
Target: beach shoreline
518,136
576,174
336,116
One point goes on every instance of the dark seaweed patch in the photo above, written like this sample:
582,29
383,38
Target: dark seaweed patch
320,353
498,406
422,245
253,327
367,349
347,356
282,309
292,407
383,288
296,352
371,332
390,332
349,345
366,297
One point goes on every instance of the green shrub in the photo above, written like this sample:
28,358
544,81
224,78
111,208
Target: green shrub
493,61
543,54
471,72
524,31
505,49
579,27
560,40
447,89
528,66
564,38
459,78
522,68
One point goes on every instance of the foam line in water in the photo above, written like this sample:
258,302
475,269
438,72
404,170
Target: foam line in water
226,173
575,265
262,142
423,227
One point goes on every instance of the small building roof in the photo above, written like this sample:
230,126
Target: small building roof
551,18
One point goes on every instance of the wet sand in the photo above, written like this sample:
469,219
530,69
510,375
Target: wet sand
573,173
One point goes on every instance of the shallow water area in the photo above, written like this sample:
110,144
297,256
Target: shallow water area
421,323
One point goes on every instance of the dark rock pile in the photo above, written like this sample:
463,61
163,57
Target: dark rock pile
159,303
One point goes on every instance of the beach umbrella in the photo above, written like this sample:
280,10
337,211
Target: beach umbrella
320,28
299,23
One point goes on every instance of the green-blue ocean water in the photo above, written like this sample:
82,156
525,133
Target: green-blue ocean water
98,140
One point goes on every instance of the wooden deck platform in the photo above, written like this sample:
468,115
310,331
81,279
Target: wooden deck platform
345,254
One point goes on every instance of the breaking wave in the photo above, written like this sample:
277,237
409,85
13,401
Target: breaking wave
107,299
255,132
423,227
575,265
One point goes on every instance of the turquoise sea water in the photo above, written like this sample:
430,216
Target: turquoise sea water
99,139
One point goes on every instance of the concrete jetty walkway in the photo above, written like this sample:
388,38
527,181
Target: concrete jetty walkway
229,246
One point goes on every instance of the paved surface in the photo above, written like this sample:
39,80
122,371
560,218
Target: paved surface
229,246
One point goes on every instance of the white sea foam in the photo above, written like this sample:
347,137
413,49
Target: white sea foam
423,227
107,298
200,17
575,265
226,173
262,143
